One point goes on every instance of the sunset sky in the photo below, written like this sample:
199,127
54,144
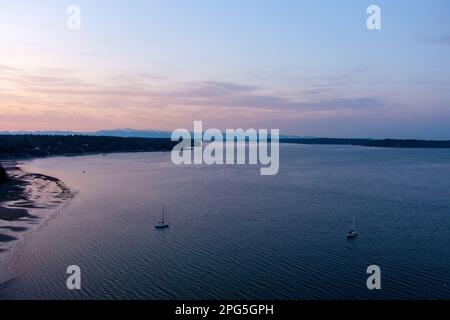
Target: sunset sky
305,67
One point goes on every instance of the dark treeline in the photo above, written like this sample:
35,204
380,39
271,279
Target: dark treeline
3,175
386,143
14,146
19,146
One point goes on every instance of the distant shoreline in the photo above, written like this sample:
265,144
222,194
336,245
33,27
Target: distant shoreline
379,143
34,146
37,146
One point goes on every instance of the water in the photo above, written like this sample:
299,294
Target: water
235,234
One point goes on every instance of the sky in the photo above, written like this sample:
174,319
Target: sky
304,67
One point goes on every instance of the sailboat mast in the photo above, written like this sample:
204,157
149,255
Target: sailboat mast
163,214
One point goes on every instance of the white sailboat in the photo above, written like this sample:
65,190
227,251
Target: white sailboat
162,224
352,233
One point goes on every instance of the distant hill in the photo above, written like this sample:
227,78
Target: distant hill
134,133
41,133
125,133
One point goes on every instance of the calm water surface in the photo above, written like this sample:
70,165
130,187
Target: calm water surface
235,234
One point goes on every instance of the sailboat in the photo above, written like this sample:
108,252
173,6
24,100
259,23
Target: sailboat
162,224
352,233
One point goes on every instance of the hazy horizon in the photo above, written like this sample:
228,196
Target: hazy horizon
306,68
152,133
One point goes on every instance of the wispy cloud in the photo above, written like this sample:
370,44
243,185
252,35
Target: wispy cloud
200,93
148,100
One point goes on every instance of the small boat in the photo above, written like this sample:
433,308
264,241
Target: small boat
352,233
162,224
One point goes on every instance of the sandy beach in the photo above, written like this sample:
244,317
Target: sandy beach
26,200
